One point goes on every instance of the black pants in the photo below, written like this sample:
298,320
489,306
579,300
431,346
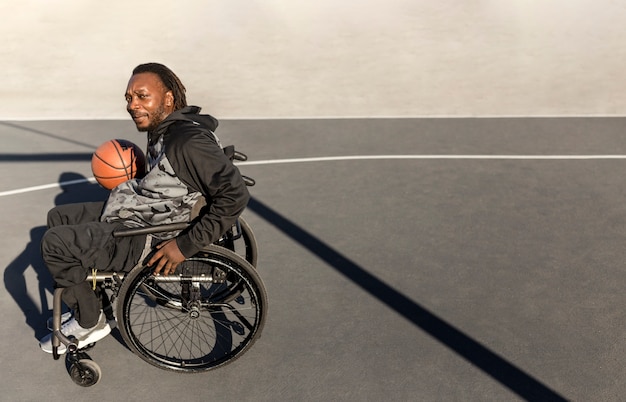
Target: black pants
76,242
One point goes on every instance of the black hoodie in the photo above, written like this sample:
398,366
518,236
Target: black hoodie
186,162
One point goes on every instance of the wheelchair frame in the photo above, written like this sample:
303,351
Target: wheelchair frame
214,305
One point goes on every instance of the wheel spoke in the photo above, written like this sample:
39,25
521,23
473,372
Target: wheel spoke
194,326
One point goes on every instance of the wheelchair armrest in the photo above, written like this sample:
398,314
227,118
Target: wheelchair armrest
240,156
248,180
231,154
150,229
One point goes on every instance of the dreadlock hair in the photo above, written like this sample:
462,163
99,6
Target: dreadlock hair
169,80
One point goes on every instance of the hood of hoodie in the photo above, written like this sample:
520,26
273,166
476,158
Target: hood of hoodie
190,114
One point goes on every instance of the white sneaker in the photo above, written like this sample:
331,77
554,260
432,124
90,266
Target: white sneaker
65,317
85,336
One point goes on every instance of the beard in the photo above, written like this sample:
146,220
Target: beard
156,118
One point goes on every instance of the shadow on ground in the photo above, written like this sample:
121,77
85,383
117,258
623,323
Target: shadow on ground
36,312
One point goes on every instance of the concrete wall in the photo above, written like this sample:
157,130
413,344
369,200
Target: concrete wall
296,58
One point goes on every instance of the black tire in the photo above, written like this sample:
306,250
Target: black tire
85,372
162,322
245,245
250,252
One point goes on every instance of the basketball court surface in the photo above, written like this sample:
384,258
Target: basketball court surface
405,260
422,246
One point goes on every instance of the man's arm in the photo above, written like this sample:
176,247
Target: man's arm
200,163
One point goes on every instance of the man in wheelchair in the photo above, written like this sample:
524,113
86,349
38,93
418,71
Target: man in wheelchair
185,164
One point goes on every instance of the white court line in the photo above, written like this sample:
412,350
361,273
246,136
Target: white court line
345,158
47,186
373,157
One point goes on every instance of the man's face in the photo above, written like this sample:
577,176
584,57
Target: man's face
148,101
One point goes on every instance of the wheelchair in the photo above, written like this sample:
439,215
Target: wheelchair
202,317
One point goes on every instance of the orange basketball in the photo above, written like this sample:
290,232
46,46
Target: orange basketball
117,161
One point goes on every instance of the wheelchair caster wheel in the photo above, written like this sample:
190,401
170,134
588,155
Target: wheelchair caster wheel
85,372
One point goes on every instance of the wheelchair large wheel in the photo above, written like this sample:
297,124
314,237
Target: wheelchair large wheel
202,317
250,252
242,243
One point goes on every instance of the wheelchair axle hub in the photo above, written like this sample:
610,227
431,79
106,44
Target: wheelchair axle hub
193,310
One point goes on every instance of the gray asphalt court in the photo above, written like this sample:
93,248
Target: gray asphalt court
463,259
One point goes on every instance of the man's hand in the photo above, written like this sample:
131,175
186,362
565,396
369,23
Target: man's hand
167,257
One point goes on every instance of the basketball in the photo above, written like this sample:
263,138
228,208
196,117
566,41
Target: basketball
117,161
